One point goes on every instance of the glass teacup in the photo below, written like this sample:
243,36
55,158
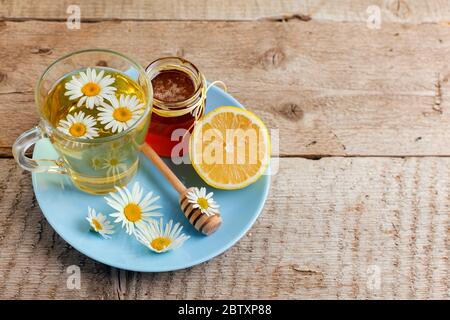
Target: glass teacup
96,158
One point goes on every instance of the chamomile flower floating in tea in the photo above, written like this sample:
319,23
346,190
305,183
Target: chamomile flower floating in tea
91,88
89,168
81,82
120,113
160,238
133,210
202,201
99,223
79,126
124,91
114,163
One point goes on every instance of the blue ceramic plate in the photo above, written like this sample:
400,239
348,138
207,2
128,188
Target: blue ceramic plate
65,208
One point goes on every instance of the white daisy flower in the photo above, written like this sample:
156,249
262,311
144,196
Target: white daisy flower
90,87
132,210
115,163
99,223
203,201
120,113
79,126
159,238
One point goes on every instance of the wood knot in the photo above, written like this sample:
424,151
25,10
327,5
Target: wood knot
3,77
287,17
291,111
301,17
41,50
180,52
272,58
399,8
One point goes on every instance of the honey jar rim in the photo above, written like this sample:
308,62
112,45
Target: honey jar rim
199,81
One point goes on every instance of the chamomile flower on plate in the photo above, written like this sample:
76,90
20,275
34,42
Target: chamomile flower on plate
79,126
159,237
99,223
132,209
120,113
205,202
91,88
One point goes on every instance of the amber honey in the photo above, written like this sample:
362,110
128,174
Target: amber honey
179,98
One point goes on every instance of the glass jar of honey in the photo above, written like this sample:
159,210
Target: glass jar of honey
179,97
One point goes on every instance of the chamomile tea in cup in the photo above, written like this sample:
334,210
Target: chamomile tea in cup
94,107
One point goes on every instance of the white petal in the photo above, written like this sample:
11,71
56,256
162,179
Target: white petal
81,101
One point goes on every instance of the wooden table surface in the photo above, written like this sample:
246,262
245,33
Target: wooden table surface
360,205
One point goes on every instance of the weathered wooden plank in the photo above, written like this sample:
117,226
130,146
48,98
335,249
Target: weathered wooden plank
331,89
411,11
331,228
33,258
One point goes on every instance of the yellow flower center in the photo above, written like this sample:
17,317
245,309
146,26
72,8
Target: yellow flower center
132,212
203,203
90,89
77,129
97,225
122,114
114,162
160,243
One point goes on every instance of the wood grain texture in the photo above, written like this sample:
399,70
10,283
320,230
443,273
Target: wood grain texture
347,217
360,226
330,89
404,11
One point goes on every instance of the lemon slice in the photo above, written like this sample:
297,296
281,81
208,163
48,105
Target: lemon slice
230,148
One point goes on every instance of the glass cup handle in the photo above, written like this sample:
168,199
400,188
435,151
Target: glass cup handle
23,143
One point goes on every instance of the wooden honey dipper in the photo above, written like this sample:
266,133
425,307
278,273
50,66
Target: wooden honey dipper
201,222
